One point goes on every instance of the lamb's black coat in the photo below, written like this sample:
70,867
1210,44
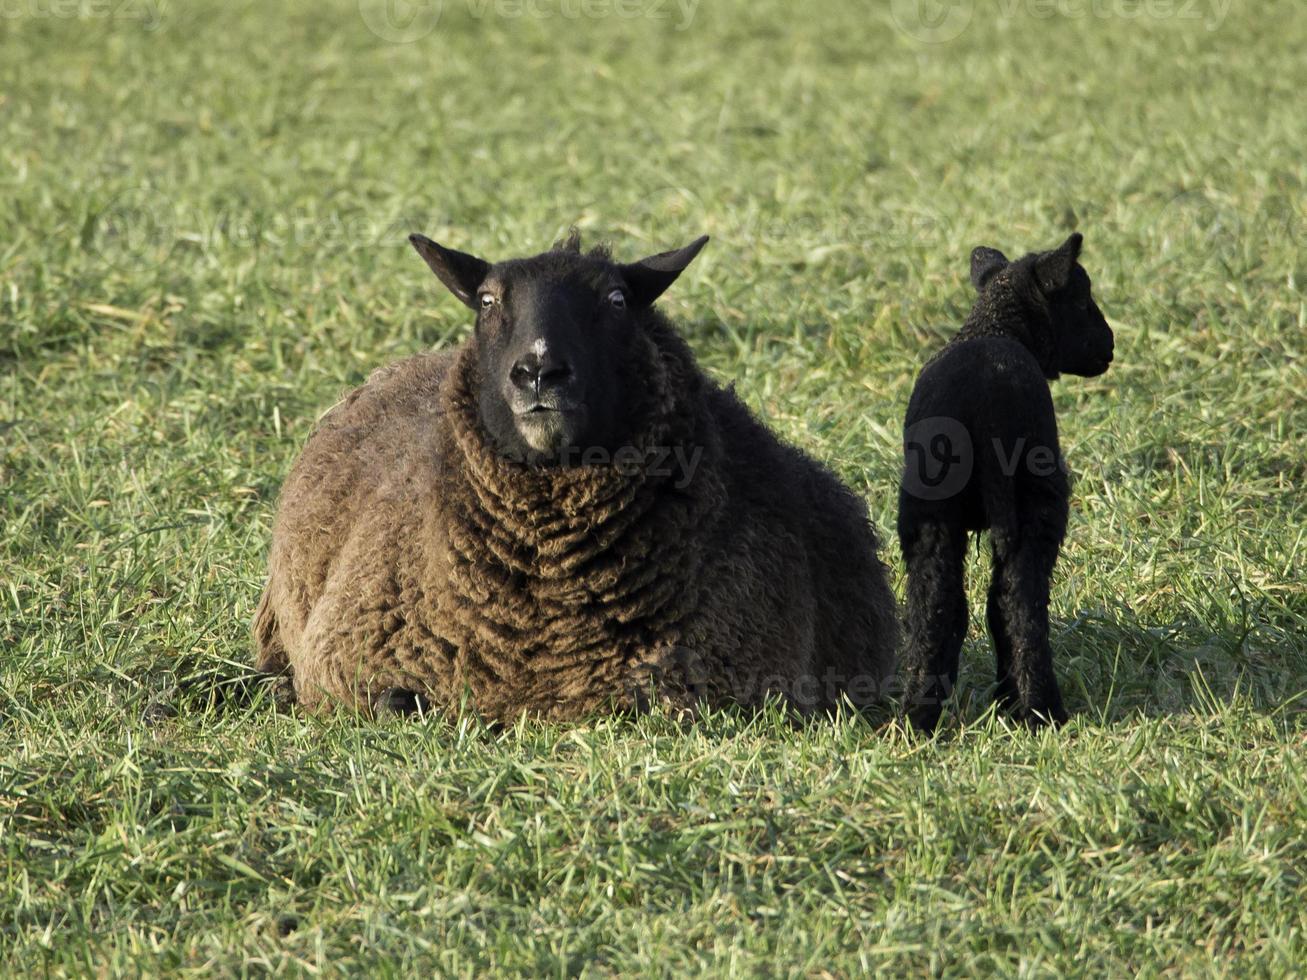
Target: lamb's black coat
981,448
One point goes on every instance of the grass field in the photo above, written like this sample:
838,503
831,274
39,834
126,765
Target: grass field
202,220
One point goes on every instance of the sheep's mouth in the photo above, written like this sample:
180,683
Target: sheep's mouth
547,428
541,411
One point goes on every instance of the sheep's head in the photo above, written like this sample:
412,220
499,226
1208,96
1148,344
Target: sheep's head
1082,340
554,339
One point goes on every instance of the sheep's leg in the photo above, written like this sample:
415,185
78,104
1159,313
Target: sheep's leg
269,650
400,701
1006,692
936,618
1022,572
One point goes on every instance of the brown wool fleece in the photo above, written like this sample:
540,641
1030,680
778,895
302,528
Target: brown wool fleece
408,555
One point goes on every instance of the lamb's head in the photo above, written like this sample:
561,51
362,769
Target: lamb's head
554,340
1054,285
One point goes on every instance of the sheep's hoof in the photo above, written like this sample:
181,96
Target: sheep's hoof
397,701
283,691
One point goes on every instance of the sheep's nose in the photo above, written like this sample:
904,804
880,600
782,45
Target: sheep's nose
535,373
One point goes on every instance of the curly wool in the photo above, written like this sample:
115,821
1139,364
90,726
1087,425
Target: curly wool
409,555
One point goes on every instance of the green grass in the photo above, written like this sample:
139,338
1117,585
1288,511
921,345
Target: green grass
202,244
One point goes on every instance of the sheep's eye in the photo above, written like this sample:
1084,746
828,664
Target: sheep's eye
617,299
487,301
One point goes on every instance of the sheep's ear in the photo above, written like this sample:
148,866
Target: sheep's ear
461,273
650,277
984,263
1054,268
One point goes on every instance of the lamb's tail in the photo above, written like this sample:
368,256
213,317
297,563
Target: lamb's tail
998,492
269,652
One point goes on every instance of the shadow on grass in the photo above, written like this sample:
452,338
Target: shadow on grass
218,686
1114,669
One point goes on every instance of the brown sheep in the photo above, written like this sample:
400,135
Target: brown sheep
564,516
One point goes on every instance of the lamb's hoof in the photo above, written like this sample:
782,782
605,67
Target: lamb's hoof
925,718
397,701
1034,719
158,712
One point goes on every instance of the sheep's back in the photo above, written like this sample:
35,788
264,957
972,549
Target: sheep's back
975,379
373,452
989,397
814,550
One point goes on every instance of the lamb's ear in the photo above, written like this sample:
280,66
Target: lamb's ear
1054,268
461,273
984,263
650,277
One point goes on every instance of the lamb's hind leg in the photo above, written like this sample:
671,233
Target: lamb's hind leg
1018,613
936,618
1006,692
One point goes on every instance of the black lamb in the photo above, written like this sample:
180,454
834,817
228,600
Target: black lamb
980,441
